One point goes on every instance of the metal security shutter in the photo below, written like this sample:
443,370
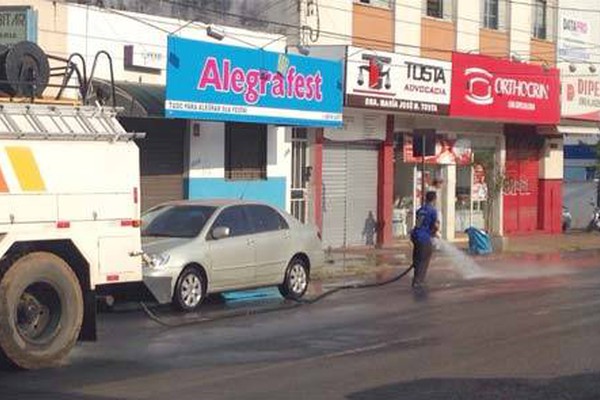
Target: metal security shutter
334,195
349,194
161,158
361,208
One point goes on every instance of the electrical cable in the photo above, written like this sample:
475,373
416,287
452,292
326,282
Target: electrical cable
265,310
333,33
222,13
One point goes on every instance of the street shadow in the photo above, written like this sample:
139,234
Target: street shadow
574,387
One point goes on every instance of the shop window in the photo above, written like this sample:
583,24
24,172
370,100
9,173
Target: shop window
540,19
245,151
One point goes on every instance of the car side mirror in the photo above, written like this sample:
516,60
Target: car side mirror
220,232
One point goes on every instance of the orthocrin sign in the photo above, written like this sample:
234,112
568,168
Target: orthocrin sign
488,88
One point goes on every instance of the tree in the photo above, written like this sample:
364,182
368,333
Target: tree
495,180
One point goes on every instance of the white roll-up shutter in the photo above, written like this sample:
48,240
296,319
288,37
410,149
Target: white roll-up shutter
334,195
349,194
361,209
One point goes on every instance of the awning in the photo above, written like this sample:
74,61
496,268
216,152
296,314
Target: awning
578,130
567,130
136,99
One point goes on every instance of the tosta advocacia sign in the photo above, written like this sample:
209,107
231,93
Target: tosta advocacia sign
17,23
394,82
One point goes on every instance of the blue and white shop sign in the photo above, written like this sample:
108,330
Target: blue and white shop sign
228,83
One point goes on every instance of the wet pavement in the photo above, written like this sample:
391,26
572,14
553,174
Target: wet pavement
529,329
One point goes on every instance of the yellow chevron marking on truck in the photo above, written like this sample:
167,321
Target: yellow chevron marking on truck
26,169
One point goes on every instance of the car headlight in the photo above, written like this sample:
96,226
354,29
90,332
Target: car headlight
157,260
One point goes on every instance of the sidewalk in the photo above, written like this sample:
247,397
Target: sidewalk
368,261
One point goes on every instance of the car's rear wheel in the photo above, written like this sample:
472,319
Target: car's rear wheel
296,279
189,290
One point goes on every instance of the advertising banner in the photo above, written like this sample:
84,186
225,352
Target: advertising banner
502,90
578,39
394,82
447,151
228,83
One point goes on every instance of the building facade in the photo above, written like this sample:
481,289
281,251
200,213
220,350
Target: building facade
481,75
245,153
579,62
409,69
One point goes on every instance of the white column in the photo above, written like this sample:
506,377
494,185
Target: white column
521,28
468,15
407,29
498,212
448,202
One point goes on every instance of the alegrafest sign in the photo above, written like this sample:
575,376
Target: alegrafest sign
228,83
394,82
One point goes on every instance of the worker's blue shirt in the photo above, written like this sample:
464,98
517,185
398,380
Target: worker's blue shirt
425,224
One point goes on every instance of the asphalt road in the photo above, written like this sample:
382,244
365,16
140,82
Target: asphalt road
530,332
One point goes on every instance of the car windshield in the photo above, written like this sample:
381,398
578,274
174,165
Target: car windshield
176,221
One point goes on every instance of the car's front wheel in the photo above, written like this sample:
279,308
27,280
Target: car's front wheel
189,290
296,279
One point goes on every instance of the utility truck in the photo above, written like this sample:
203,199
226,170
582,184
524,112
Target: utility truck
69,217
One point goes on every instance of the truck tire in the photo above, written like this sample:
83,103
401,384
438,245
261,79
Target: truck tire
41,311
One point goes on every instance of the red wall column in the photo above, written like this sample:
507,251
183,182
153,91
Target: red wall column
550,205
317,174
385,187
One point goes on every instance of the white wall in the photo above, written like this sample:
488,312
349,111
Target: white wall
551,162
334,19
207,151
468,22
91,29
520,17
408,27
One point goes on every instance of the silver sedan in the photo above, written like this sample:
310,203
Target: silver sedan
193,248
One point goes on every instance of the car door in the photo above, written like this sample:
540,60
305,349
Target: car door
272,242
232,258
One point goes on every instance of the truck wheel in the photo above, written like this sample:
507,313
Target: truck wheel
41,311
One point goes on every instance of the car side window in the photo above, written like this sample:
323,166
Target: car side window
235,219
266,219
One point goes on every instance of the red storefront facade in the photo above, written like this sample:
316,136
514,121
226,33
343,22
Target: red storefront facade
525,98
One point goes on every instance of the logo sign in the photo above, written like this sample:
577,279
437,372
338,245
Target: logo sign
143,59
487,88
389,81
228,83
17,24
575,36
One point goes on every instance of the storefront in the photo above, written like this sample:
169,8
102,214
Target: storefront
241,102
526,99
467,153
350,181
580,106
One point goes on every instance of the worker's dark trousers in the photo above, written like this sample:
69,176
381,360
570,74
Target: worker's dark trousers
422,253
